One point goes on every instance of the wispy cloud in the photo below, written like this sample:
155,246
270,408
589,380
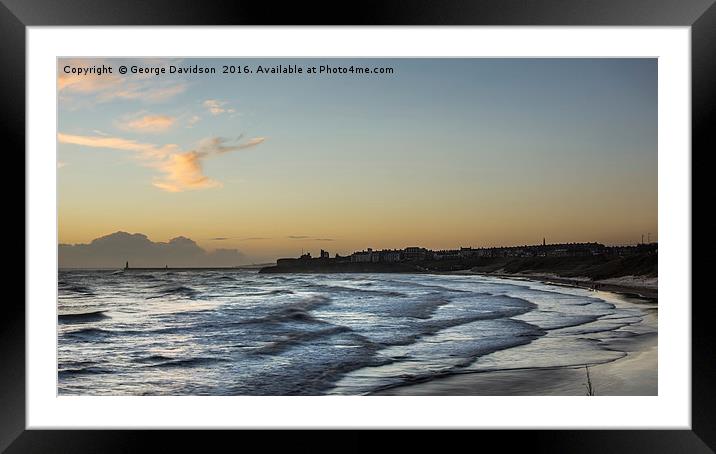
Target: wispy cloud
307,237
143,150
194,119
146,123
218,145
217,107
85,83
141,90
181,170
251,238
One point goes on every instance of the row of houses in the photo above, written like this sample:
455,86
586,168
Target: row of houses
369,255
542,250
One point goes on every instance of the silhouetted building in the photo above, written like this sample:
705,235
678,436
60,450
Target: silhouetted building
415,253
389,255
446,254
468,255
369,255
362,256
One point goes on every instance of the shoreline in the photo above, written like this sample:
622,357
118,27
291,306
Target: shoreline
635,291
634,374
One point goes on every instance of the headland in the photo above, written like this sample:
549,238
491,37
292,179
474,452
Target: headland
622,269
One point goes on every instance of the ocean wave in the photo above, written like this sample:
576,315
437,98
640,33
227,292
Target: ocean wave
558,322
272,292
510,307
594,326
152,359
180,290
423,307
89,333
64,373
347,289
144,277
293,339
82,317
297,311
186,362
320,381
74,288
430,286
433,326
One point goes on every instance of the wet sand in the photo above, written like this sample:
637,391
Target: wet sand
633,375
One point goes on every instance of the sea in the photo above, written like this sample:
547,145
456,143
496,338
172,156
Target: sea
239,332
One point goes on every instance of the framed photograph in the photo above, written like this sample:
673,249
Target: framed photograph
472,215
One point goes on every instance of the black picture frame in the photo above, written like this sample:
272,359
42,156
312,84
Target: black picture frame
16,15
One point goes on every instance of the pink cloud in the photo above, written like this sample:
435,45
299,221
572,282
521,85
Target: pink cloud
181,170
147,123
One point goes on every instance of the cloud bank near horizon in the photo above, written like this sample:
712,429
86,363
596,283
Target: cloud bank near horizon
113,250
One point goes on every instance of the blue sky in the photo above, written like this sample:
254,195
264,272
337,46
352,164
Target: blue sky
496,150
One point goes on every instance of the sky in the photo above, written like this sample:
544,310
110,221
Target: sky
440,153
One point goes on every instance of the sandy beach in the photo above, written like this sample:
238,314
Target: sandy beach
634,374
